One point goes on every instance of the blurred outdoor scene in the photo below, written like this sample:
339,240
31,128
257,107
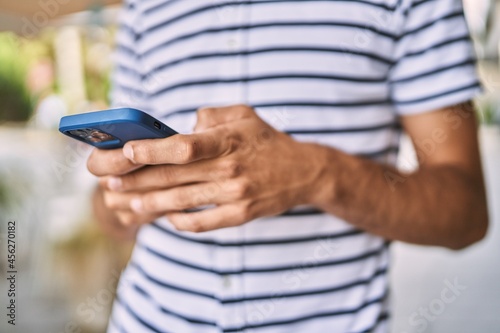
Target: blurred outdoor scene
52,65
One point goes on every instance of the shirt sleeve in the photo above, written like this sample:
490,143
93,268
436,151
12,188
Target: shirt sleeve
434,58
127,86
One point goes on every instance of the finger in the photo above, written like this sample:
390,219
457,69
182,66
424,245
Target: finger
223,216
117,200
210,219
185,197
179,149
213,116
167,176
129,218
109,162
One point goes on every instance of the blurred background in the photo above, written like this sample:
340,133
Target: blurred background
55,59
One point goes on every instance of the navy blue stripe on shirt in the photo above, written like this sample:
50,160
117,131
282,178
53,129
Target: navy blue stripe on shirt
129,71
138,318
335,289
220,5
263,297
447,42
266,25
288,321
117,326
364,2
129,30
284,76
288,49
268,269
317,315
330,106
446,17
347,130
127,50
418,3
167,285
464,63
381,318
475,84
329,290
171,312
164,4
310,292
276,241
347,52
378,153
305,212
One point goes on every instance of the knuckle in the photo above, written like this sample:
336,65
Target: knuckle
175,222
209,193
195,200
189,149
184,222
144,155
178,200
205,113
244,109
231,168
182,199
195,225
244,213
234,142
241,189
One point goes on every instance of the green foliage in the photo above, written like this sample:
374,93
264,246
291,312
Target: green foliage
16,101
96,48
487,112
97,85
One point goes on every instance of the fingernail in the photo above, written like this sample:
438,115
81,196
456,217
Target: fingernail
136,205
115,183
128,152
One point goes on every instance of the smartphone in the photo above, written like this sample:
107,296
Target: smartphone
111,129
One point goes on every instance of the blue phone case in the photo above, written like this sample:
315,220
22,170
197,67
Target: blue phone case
115,127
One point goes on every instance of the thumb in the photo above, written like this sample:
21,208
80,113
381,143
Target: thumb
214,116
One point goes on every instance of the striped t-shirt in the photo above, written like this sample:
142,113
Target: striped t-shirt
335,72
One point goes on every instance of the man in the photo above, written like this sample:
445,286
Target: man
302,105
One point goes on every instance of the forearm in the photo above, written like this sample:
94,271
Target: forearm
436,205
108,220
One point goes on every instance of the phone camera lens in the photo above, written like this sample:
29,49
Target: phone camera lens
98,136
79,133
92,135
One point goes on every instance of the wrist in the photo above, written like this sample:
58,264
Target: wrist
322,187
